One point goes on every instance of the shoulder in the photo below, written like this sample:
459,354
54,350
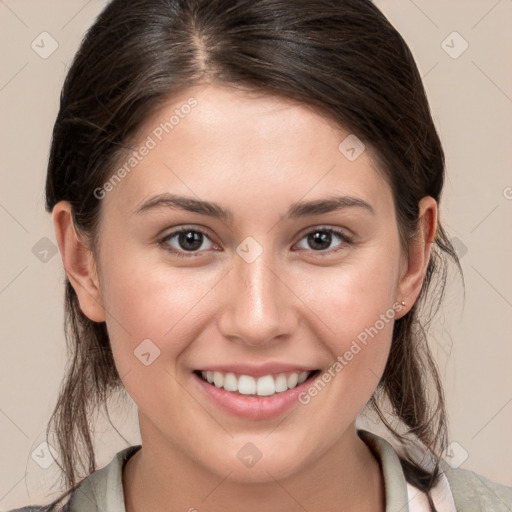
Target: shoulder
30,509
102,490
53,507
62,504
473,492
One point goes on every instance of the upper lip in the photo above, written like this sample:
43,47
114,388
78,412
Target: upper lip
258,370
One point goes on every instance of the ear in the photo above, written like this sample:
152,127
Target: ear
414,269
78,262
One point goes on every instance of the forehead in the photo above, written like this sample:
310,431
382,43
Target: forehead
229,145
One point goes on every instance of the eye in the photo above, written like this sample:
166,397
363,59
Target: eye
320,239
185,240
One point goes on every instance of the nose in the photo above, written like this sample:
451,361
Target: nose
259,307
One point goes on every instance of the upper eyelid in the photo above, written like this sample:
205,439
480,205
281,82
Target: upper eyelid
336,230
177,231
304,232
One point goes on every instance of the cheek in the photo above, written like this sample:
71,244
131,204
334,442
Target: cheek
156,303
354,307
351,297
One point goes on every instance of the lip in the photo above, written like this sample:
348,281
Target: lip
258,370
253,407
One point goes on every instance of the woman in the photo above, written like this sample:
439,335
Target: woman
246,198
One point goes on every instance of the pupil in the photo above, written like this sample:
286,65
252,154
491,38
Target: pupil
190,237
321,237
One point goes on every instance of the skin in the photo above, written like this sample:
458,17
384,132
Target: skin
255,154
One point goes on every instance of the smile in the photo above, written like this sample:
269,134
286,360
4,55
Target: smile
266,385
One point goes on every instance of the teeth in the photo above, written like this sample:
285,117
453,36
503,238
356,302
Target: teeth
302,377
218,379
281,383
230,382
293,379
246,385
267,385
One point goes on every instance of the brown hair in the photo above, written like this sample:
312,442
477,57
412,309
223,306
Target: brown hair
342,57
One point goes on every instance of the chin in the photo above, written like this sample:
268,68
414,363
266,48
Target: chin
252,466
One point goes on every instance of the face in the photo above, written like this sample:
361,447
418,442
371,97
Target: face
273,288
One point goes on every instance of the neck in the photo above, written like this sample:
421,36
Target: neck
160,477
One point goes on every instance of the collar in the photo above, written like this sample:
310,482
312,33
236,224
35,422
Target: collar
395,485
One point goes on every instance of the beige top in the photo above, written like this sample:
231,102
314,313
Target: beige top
458,490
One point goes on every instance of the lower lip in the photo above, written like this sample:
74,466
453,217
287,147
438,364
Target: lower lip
251,406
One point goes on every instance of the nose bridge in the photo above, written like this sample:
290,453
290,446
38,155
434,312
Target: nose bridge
258,304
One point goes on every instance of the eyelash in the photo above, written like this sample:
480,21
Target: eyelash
346,240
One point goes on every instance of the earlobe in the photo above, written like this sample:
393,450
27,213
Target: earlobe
78,262
420,246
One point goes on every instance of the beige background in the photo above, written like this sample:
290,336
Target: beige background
471,100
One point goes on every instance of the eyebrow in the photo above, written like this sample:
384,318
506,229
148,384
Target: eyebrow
296,210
